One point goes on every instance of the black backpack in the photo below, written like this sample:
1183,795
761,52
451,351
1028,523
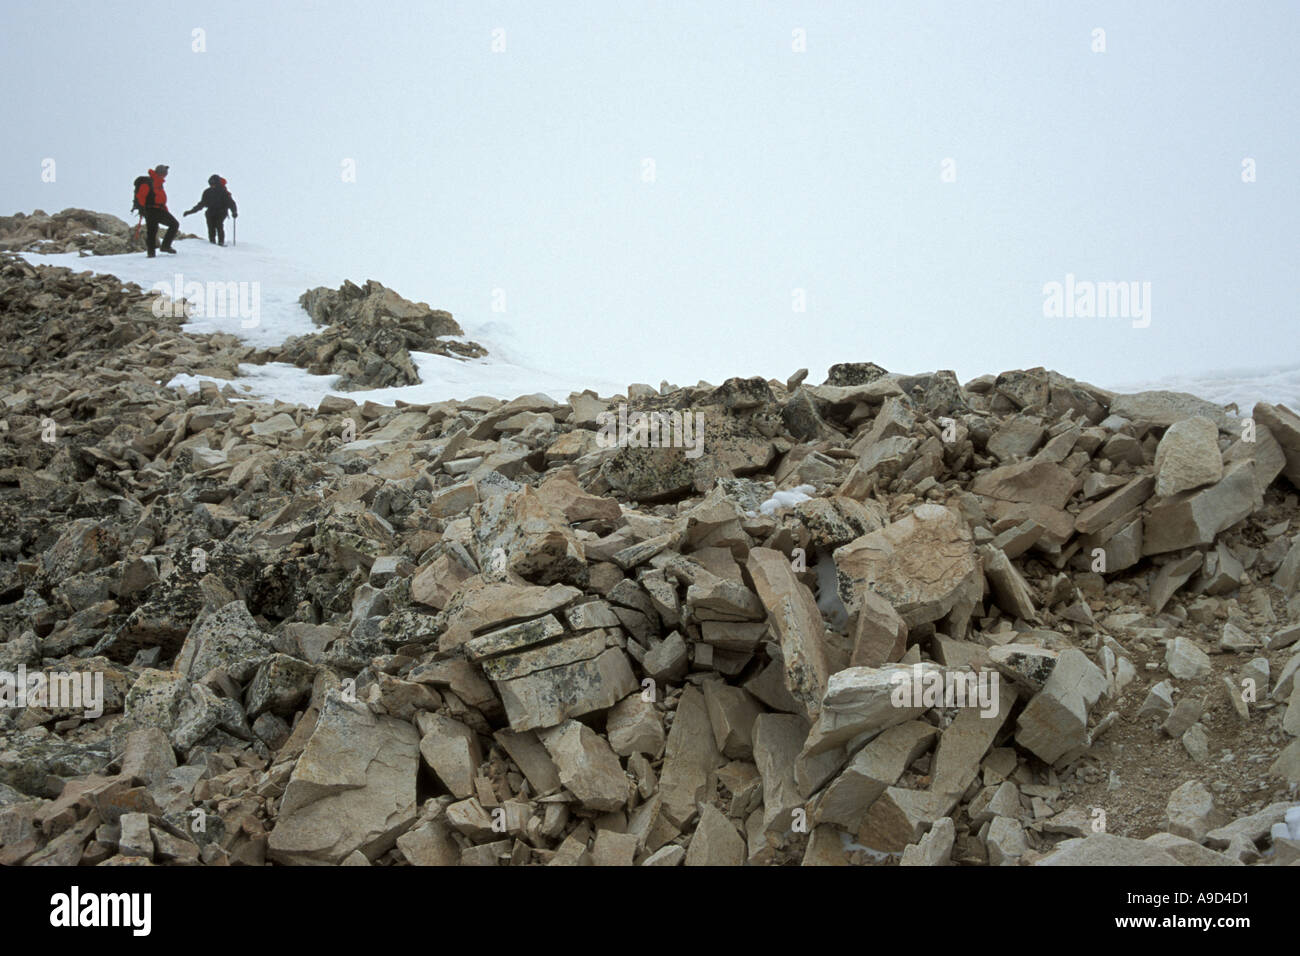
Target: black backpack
135,193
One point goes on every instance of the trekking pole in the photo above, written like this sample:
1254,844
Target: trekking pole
234,231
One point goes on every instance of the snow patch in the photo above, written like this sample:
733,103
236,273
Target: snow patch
1289,829
786,499
503,374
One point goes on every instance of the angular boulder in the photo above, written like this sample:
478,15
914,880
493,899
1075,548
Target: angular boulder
1193,518
352,789
1188,456
924,565
796,621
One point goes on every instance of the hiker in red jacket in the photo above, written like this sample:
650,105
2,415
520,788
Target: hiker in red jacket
152,198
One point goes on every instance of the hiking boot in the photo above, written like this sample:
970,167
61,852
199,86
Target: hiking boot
152,254
221,243
168,249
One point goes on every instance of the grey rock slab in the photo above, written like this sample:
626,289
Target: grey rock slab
516,637
866,700
1189,852
875,767
1284,426
352,789
1185,661
1170,578
227,637
1054,724
778,739
1253,827
588,768
1163,408
716,842
690,758
1190,811
1108,849
901,817
582,647
451,751
1193,518
793,616
532,758
633,725
933,849
732,712
1188,456
965,741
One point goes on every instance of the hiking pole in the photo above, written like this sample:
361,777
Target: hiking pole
234,231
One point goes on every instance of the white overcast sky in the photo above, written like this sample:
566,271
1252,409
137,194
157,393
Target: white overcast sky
775,170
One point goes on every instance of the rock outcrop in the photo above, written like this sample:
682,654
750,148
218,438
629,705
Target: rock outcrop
370,332
73,230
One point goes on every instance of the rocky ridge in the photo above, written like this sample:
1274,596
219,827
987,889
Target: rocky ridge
73,230
479,633
369,331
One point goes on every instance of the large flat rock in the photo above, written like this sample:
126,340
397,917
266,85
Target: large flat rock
352,789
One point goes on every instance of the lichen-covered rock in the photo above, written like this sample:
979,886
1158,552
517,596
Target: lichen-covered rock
279,686
228,638
519,532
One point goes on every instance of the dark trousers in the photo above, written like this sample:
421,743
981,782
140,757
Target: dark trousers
216,228
153,217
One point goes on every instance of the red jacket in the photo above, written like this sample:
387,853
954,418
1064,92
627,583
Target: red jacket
159,194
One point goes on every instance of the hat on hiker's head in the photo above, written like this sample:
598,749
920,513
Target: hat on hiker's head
214,180
161,169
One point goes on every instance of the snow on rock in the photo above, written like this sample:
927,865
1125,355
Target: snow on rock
504,373
786,499
273,285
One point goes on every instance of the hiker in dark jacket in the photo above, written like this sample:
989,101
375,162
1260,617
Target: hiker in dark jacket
152,198
218,201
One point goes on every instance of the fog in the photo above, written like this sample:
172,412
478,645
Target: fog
689,191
